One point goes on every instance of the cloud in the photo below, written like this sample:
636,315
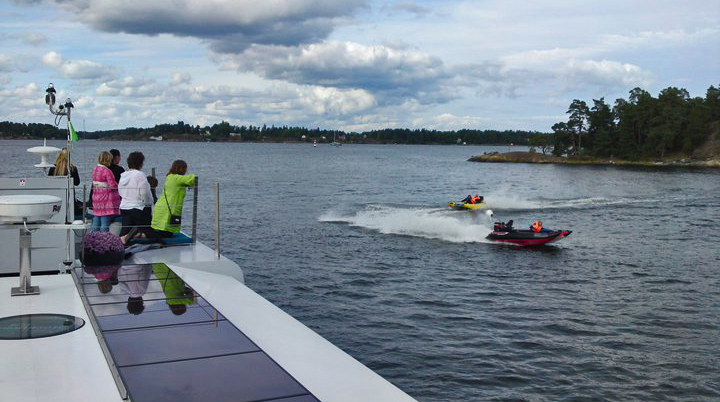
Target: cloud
77,69
390,73
34,38
606,73
409,7
181,78
7,63
568,69
333,101
658,39
229,26
131,87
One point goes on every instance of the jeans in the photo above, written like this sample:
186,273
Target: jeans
102,223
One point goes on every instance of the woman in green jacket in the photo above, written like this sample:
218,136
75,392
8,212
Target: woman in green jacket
170,202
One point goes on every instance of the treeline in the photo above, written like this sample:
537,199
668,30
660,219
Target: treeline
224,131
640,127
31,130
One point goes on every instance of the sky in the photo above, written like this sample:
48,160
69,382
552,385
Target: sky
352,65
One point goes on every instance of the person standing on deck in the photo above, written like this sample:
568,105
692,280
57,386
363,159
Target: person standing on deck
105,197
115,165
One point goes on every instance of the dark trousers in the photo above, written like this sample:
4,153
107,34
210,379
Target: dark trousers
137,218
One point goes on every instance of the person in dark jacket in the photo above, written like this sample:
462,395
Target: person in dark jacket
114,166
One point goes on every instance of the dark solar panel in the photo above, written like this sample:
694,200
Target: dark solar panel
170,344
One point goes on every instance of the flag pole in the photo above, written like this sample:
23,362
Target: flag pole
71,194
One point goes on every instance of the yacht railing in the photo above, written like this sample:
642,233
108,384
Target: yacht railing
217,221
193,218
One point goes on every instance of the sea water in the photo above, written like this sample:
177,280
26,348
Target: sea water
357,242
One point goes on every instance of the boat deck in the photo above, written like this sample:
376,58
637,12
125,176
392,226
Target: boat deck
198,334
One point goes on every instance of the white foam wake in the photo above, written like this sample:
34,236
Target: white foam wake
421,222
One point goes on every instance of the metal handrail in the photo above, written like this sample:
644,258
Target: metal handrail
217,221
194,209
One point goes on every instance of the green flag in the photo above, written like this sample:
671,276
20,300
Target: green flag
73,133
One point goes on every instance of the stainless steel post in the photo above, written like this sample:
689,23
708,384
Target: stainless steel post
217,221
68,250
84,210
25,287
194,210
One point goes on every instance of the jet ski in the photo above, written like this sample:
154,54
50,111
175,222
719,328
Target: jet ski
471,202
535,236
464,206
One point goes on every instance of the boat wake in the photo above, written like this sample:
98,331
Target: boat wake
507,202
430,223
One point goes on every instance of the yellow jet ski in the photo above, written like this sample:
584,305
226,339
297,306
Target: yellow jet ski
462,206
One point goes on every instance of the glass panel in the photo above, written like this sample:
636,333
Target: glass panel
177,343
132,316
170,344
234,378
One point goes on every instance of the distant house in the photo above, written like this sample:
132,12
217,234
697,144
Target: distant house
236,134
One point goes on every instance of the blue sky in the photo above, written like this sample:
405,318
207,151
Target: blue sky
352,65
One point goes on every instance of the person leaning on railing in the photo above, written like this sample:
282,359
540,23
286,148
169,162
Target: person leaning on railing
169,205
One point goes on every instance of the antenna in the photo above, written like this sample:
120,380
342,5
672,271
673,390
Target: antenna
63,110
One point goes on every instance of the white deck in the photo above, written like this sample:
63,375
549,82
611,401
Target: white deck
69,367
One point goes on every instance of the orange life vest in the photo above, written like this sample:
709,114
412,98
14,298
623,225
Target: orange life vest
475,199
536,226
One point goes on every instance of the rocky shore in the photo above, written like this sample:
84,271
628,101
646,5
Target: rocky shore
534,157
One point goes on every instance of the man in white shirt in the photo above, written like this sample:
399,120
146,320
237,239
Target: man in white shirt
137,201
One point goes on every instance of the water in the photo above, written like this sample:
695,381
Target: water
355,242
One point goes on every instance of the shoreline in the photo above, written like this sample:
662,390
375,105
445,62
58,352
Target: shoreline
538,158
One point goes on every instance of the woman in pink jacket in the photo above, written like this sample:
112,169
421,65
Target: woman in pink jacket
105,197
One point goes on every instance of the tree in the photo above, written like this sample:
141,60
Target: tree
577,122
563,138
541,141
712,102
601,128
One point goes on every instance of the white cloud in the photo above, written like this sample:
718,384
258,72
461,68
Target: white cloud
34,38
606,73
77,69
390,74
7,63
565,69
657,39
27,91
181,78
323,100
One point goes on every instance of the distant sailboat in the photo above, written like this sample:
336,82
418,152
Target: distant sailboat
314,143
335,143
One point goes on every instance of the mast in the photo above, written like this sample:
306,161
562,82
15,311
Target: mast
64,110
